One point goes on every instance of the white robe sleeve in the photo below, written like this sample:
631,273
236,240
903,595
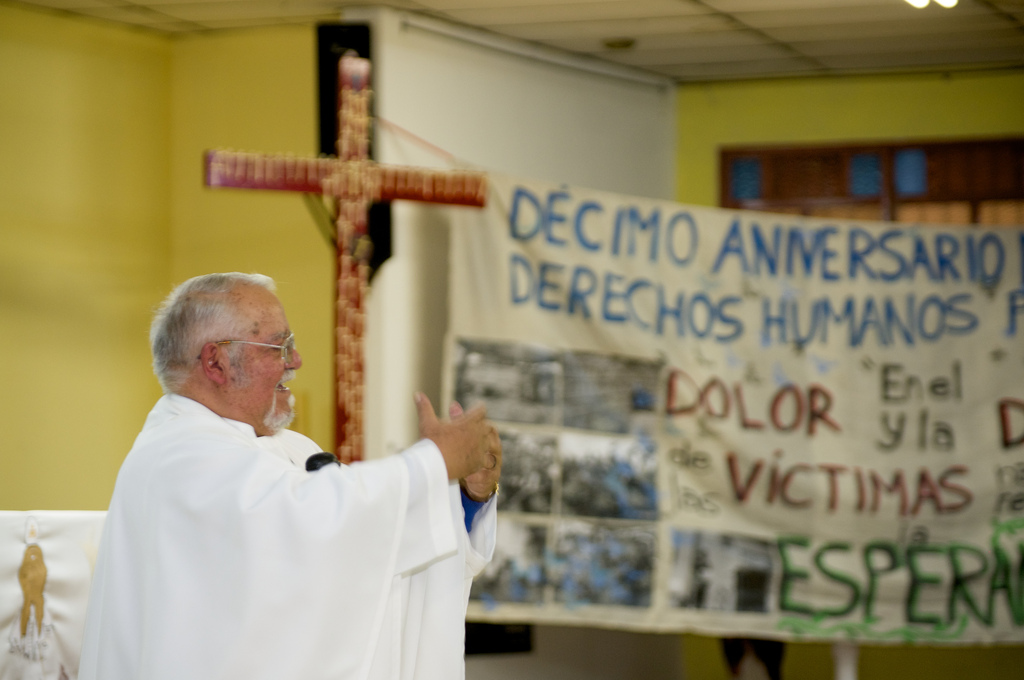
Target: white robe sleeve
426,636
429,533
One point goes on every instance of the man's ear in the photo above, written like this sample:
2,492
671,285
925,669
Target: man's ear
215,364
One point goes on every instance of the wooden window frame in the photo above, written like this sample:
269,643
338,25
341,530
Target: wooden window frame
968,170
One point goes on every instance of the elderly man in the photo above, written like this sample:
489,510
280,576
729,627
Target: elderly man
222,557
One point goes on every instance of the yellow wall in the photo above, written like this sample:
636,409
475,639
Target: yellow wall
102,211
839,110
255,90
84,124
836,110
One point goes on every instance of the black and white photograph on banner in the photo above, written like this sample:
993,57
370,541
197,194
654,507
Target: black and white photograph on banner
517,571
523,383
528,473
603,564
518,383
609,393
720,572
609,476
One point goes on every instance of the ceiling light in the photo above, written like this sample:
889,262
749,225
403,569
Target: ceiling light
920,4
947,3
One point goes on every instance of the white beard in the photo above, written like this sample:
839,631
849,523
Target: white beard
275,421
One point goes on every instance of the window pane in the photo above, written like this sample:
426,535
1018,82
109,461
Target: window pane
807,175
911,166
745,175
865,174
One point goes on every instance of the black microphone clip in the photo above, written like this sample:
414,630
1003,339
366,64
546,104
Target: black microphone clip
318,460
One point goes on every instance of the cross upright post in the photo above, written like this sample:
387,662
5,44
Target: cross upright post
353,249
355,182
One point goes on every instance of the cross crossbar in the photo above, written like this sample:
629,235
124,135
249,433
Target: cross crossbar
344,179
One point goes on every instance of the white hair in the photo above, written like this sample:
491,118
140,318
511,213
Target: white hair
198,311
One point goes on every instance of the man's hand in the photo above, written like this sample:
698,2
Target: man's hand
466,441
482,484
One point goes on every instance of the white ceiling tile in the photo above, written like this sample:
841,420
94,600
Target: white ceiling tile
253,9
444,5
236,5
699,55
669,41
241,7
734,70
620,27
590,11
70,5
734,6
665,41
135,15
259,22
887,29
921,44
896,11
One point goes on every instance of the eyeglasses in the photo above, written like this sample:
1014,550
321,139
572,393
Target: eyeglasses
287,349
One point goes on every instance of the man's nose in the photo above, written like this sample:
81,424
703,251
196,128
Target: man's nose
296,361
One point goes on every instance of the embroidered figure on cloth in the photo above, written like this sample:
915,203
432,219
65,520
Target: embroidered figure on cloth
31,635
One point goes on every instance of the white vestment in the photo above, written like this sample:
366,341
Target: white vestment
222,558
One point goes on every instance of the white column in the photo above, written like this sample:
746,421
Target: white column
845,655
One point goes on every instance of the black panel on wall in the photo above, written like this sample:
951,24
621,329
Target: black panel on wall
333,40
498,638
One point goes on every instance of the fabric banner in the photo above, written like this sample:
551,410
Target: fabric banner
46,563
744,424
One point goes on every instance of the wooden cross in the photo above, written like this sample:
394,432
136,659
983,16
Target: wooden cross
355,182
